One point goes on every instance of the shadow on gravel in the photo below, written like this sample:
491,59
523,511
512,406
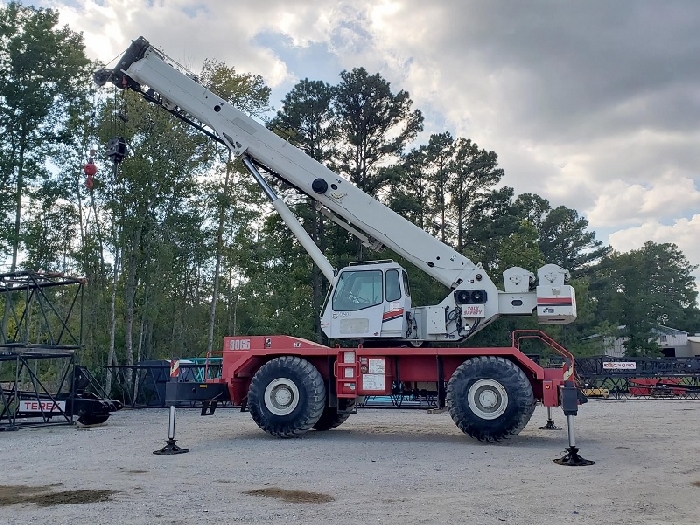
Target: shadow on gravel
47,496
531,439
292,496
393,434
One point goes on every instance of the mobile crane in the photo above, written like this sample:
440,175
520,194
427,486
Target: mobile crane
291,385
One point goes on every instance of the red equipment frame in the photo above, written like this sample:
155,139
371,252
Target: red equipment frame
348,368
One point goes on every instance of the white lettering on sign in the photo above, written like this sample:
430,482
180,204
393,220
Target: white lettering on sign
41,406
239,344
619,365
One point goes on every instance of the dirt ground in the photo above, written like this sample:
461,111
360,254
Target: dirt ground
382,466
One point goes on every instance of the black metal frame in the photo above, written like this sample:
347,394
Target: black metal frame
11,417
675,377
33,330
31,286
131,380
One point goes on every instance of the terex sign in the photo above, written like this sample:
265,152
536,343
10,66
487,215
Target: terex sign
32,405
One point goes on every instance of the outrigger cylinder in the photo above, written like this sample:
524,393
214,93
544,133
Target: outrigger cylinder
170,447
569,403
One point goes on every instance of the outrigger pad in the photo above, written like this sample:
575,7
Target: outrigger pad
550,426
572,459
170,449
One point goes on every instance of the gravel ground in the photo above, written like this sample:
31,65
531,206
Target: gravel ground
382,466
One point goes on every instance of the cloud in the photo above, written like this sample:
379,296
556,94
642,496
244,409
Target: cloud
593,105
683,232
189,31
570,97
624,203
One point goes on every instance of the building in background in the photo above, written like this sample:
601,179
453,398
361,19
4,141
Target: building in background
673,343
694,345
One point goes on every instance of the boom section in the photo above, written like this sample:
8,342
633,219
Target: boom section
143,67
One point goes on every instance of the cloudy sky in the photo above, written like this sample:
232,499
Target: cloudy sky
594,105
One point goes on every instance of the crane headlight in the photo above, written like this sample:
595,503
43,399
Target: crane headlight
470,296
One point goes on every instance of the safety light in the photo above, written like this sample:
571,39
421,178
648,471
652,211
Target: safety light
470,296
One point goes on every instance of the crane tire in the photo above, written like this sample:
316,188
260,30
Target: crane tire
92,419
286,396
331,418
490,398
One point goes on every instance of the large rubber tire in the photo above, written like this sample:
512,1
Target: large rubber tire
331,419
490,398
286,396
92,419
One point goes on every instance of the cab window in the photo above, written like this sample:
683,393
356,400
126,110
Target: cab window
393,289
357,290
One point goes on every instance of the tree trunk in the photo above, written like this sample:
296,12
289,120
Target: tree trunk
18,204
98,233
142,334
111,359
219,256
230,319
130,292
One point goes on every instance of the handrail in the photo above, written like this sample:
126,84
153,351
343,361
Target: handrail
519,335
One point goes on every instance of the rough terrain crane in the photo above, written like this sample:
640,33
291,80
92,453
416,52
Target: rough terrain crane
291,385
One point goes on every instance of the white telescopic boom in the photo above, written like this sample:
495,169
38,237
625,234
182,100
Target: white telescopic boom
143,65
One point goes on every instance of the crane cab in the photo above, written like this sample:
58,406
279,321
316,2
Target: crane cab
368,300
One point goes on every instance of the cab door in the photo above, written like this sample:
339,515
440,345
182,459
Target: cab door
397,301
356,307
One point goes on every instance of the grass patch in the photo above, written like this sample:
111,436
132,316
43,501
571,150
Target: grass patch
47,496
292,496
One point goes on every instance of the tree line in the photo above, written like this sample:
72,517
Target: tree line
179,247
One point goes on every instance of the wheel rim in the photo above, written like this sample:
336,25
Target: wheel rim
488,398
281,396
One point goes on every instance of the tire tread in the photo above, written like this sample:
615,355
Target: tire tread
311,382
513,378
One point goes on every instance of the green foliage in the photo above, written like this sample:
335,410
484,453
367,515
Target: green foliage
41,71
307,119
188,241
563,235
565,242
374,126
474,176
520,248
643,289
244,91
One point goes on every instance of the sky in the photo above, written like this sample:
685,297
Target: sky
593,105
